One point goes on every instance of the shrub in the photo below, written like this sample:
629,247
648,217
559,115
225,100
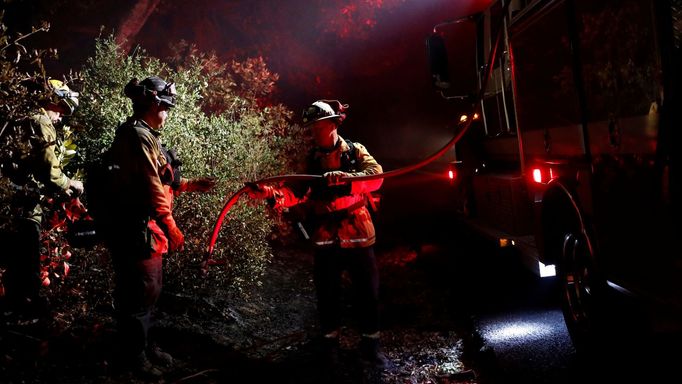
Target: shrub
23,84
220,127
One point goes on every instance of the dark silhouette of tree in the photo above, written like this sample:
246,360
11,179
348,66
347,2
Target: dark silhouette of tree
135,19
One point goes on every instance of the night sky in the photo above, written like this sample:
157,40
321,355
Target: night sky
367,53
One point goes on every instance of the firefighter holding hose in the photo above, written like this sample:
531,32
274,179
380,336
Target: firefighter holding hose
339,224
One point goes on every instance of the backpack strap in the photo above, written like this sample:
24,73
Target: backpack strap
174,176
349,158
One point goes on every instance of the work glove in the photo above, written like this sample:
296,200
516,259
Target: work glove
75,209
201,184
74,188
334,178
256,191
176,239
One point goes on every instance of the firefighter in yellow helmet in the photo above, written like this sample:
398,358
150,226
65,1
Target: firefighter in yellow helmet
339,225
39,174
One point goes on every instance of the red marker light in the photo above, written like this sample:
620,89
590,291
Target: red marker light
543,175
452,168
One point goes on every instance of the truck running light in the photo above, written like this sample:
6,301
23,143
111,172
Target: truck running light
452,173
543,175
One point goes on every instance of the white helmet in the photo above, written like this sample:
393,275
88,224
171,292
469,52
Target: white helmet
324,109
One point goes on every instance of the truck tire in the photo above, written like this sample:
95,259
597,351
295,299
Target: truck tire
582,288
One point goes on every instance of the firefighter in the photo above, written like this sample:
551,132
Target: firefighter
37,175
339,224
141,224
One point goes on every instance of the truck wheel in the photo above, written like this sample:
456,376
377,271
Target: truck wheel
581,286
582,289
600,320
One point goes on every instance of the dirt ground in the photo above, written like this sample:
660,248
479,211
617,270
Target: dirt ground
268,338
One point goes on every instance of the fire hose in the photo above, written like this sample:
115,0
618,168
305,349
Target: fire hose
207,260
303,177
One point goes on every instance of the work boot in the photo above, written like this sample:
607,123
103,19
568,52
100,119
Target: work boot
144,369
329,347
27,309
330,367
160,357
37,307
371,354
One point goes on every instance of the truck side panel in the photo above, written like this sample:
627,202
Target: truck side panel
588,82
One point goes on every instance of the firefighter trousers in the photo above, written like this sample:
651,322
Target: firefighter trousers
360,263
138,287
22,277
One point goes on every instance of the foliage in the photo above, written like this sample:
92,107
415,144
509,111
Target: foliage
619,76
16,100
23,87
354,19
222,126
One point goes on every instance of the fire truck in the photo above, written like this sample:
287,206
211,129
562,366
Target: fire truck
574,156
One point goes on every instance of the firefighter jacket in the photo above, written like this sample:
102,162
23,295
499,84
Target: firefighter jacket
143,205
336,215
43,170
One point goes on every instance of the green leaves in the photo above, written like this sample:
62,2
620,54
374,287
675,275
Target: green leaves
223,126
67,148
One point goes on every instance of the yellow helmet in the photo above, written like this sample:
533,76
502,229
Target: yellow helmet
64,96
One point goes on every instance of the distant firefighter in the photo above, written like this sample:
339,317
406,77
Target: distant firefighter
37,174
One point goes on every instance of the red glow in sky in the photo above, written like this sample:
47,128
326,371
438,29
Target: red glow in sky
354,19
368,53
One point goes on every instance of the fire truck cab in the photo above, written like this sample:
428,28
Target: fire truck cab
575,158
